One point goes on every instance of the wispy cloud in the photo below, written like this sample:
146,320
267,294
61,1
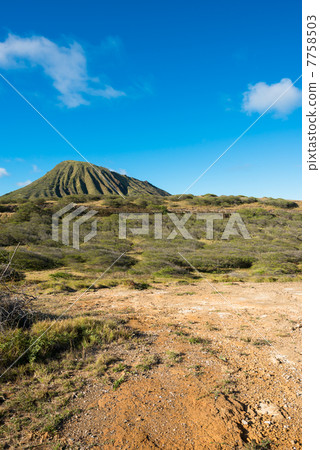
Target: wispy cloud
123,172
66,66
24,183
35,168
112,44
261,95
3,172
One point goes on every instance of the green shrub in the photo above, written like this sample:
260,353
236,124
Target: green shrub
136,285
61,275
27,260
183,197
49,339
281,203
222,200
24,233
100,258
28,209
115,201
210,263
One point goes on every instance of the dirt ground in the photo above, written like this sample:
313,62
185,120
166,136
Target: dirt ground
217,370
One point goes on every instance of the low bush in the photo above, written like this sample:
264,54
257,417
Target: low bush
24,233
223,200
137,285
27,260
15,311
207,262
61,275
29,209
100,258
281,203
46,339
10,274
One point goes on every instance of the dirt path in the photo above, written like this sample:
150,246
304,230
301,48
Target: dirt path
210,371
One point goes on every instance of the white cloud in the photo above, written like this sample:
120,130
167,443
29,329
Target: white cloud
24,183
123,172
66,66
3,172
261,95
35,168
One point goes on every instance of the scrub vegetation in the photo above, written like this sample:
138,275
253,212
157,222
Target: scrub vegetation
273,252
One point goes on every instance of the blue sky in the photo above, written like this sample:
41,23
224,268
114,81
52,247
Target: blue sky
157,90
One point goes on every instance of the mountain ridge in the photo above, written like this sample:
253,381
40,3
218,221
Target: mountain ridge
79,177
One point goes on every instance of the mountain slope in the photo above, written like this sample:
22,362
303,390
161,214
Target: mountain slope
77,177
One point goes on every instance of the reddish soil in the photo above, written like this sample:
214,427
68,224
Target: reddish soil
224,387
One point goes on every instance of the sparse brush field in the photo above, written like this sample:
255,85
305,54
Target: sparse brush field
273,253
152,356
46,361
